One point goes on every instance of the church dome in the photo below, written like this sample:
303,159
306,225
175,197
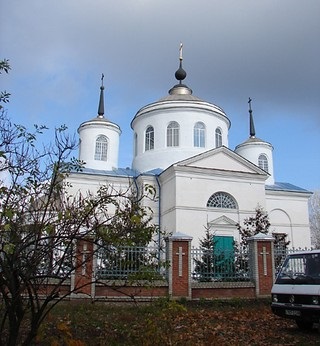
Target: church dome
177,126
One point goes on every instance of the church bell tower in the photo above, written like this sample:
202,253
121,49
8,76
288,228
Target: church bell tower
99,140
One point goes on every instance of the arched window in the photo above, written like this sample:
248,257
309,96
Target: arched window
149,142
222,200
173,134
218,137
263,162
101,150
199,135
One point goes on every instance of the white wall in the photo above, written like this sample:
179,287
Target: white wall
159,115
252,149
88,133
289,214
186,196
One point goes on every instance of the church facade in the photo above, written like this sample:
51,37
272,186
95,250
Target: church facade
180,146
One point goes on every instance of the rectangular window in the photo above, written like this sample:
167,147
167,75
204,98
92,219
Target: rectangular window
198,140
101,151
173,137
149,139
149,145
135,144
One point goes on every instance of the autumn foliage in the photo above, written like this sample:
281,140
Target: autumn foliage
164,322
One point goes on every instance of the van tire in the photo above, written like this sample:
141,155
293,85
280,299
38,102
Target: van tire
304,325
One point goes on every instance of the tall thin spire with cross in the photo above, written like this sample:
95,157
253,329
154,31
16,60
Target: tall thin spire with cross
101,100
252,129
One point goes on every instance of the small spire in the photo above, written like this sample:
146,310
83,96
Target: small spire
252,130
180,73
101,101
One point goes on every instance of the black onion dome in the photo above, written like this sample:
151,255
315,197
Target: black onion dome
180,74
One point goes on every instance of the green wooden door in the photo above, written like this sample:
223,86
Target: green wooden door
223,243
224,256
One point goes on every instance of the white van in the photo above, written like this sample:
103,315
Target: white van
296,291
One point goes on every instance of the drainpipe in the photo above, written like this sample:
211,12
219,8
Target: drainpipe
136,184
159,213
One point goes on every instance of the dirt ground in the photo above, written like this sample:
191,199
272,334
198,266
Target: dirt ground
171,323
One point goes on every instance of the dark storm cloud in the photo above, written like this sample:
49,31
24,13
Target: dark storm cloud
268,50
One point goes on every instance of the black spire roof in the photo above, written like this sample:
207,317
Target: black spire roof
101,100
252,130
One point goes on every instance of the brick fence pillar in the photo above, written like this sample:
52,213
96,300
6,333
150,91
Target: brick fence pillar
179,273
82,281
261,257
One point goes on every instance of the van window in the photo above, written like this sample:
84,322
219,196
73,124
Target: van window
300,269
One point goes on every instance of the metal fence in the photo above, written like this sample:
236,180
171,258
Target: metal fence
146,262
280,254
129,262
220,265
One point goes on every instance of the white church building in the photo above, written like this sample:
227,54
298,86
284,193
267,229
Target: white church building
180,146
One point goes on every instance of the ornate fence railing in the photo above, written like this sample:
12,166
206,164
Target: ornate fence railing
129,262
147,262
220,265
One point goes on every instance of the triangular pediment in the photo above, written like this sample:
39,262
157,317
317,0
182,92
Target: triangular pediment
222,221
223,159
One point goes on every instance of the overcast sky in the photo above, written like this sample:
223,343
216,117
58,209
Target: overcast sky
268,50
